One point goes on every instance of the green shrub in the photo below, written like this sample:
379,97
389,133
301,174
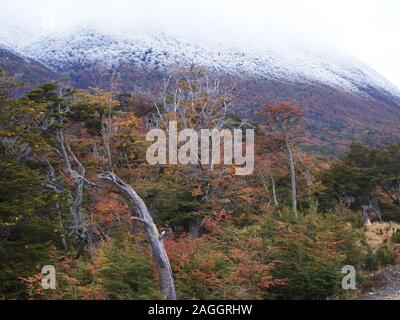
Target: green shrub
371,262
116,271
125,273
396,236
385,256
311,254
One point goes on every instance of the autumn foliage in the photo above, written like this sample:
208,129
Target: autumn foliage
226,236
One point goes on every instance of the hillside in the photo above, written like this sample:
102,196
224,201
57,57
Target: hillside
344,99
81,195
26,70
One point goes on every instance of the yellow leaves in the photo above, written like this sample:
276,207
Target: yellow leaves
126,122
197,192
99,99
249,194
33,285
184,85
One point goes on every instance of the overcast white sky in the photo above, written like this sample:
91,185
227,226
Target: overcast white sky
367,29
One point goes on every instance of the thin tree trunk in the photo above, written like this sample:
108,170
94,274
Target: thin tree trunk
135,231
275,198
373,202
79,225
366,219
292,178
167,284
265,186
194,228
63,239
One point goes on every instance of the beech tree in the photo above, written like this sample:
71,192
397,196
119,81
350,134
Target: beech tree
388,163
269,151
27,224
56,104
141,212
354,181
72,166
284,121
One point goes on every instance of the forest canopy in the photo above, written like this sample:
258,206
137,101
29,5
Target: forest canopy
76,192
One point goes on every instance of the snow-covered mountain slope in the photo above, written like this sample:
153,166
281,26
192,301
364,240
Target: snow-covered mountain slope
29,71
344,100
13,37
159,52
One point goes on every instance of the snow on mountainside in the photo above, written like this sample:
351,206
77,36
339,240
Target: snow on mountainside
343,99
63,52
13,37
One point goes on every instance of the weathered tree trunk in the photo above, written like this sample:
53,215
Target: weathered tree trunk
292,178
194,228
63,239
275,198
366,219
135,231
79,226
375,206
51,184
262,179
167,284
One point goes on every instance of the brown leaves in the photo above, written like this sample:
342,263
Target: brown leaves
101,99
33,285
283,118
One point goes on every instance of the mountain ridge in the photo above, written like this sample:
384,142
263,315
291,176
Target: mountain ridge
343,98
159,51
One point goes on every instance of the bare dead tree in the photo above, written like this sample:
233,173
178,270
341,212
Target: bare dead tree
56,186
365,215
197,100
167,284
374,205
269,172
153,236
292,176
76,173
345,200
75,203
